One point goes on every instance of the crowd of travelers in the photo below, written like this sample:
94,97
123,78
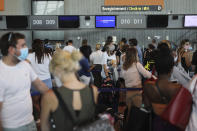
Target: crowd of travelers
119,85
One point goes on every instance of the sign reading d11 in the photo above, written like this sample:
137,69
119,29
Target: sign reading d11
44,22
131,21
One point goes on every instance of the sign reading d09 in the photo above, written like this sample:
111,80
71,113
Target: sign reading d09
44,22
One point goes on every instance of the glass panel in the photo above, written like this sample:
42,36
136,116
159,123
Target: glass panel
51,35
48,7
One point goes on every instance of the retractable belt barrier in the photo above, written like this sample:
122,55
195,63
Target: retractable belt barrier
118,89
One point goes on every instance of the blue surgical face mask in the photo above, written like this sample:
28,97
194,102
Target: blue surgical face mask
190,48
24,54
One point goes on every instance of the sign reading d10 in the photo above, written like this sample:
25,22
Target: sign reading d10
131,21
44,22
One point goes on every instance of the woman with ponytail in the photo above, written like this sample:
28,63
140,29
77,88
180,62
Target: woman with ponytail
39,61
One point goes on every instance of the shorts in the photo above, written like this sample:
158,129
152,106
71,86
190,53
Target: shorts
29,127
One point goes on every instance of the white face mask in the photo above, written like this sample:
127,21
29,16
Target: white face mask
187,45
58,81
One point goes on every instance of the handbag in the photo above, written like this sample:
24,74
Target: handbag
140,119
97,124
178,110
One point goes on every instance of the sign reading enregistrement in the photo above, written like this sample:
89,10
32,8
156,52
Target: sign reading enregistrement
133,5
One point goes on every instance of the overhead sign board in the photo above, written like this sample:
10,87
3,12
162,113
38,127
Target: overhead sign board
44,22
133,5
1,5
131,21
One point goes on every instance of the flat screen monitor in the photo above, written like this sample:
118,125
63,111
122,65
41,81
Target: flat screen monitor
190,21
157,21
15,22
68,21
105,21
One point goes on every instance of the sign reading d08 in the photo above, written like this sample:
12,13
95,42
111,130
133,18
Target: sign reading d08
44,22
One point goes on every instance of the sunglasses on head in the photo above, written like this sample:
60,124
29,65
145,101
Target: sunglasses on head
10,36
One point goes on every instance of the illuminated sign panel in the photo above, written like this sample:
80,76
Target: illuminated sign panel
133,5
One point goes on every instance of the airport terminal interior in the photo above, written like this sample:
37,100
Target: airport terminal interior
98,65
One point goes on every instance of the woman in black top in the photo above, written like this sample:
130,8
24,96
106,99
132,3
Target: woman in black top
78,98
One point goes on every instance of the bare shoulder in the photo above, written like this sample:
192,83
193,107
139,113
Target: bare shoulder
50,98
49,94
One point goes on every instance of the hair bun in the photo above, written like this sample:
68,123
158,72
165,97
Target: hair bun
76,56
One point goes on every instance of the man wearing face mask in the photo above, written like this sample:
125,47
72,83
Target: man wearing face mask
16,76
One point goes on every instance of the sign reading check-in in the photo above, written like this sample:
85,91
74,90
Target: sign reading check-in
132,5
1,5
44,22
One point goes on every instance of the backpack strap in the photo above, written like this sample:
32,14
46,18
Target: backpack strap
164,99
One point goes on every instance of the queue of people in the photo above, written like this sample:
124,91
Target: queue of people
64,83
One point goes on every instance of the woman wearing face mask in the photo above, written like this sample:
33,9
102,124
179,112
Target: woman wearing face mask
184,54
178,75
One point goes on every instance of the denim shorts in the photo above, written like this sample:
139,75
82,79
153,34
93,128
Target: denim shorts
48,82
29,127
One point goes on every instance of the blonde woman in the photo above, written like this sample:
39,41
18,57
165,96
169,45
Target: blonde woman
78,98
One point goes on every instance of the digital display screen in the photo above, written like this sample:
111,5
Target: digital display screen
190,21
68,21
157,21
16,21
105,21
